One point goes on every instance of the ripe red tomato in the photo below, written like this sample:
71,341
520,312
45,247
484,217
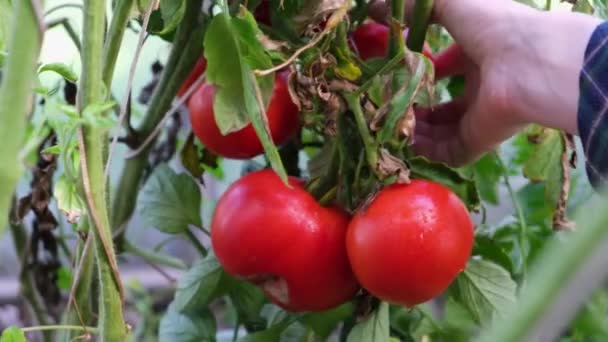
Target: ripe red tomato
411,242
262,13
371,40
281,239
282,114
199,69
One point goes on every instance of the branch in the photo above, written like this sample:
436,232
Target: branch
16,97
116,32
420,23
91,142
187,48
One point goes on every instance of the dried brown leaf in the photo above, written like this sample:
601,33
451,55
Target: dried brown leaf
389,165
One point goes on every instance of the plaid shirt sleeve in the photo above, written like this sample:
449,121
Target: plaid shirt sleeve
593,106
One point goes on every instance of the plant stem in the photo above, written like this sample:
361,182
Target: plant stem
16,96
419,24
187,48
61,327
371,151
116,33
28,289
556,268
152,257
196,243
80,312
396,43
523,225
111,324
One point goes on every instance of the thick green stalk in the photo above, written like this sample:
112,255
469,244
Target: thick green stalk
112,326
187,48
120,18
420,23
556,268
16,96
81,311
398,13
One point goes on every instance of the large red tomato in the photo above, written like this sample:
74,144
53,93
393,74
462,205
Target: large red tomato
281,239
282,116
411,242
199,69
371,40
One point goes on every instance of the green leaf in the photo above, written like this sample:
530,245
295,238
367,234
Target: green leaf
583,6
170,202
487,173
485,289
13,334
233,51
200,285
68,199
324,323
491,250
61,69
441,173
248,301
376,328
172,13
545,164
180,327
270,335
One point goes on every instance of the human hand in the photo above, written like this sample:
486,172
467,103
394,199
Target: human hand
520,65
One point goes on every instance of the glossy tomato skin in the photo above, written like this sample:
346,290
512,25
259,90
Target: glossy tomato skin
282,114
281,239
199,69
371,40
411,242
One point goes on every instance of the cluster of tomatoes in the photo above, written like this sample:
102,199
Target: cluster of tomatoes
405,246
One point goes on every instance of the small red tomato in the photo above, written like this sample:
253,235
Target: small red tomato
199,69
262,13
282,114
371,40
411,242
281,239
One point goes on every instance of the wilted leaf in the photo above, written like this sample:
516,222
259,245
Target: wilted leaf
170,202
376,328
485,289
204,282
179,327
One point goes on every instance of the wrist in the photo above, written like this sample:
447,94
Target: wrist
551,57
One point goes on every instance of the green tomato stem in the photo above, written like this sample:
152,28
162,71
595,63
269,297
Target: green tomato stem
371,150
187,48
16,96
116,32
112,326
419,24
396,44
61,327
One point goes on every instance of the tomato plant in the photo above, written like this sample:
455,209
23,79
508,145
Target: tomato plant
282,200
410,242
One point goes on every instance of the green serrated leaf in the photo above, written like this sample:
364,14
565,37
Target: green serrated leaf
463,187
13,334
61,69
170,202
204,282
485,289
324,323
376,328
179,327
68,199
